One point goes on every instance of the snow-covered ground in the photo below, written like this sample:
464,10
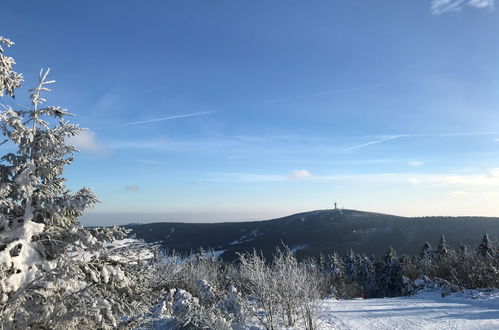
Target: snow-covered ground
427,310
470,310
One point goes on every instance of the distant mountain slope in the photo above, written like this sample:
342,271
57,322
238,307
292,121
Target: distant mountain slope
322,231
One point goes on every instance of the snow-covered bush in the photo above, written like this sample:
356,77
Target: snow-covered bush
184,272
200,293
258,282
204,292
189,312
297,287
281,293
424,283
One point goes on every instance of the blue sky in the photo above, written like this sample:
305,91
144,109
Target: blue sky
234,110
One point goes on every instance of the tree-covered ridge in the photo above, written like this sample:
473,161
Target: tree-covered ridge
319,232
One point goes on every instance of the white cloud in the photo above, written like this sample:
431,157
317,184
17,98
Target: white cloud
476,180
481,3
488,179
87,140
490,194
415,163
132,188
300,174
496,139
439,7
459,194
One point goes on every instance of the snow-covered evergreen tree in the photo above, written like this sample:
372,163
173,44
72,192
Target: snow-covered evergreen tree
390,275
427,251
367,277
442,248
53,272
352,263
485,248
9,79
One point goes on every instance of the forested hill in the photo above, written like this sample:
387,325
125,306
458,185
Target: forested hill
322,231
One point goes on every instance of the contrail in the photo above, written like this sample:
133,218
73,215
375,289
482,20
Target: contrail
384,139
140,122
453,134
394,137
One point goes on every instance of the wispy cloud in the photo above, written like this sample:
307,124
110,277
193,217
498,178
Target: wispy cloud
459,194
239,146
327,92
436,180
439,7
132,188
154,120
414,180
477,180
157,144
415,163
246,177
358,178
148,161
300,174
488,179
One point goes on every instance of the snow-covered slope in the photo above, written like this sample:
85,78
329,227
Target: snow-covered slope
428,310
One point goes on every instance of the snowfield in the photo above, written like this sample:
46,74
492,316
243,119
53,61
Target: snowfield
427,310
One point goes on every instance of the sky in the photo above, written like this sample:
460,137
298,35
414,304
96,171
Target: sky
246,110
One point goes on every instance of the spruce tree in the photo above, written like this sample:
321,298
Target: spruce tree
53,272
9,79
390,275
443,247
485,248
